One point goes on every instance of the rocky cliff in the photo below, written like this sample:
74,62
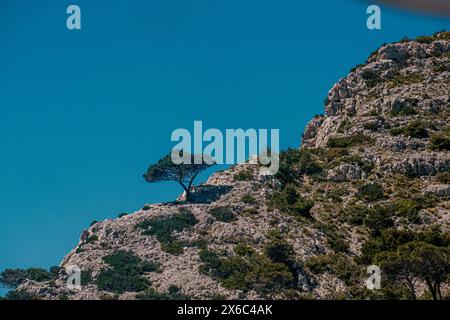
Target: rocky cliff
376,166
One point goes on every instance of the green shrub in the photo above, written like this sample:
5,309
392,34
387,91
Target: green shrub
442,67
407,208
328,155
151,266
371,192
336,194
337,264
12,278
250,212
173,293
414,130
442,35
163,227
440,141
124,273
244,175
335,237
346,142
86,277
250,271
307,164
406,110
172,247
39,275
371,78
224,214
303,207
19,295
388,240
344,126
379,218
396,131
293,163
357,67
123,214
406,79
425,39
210,259
113,281
288,200
91,240
372,126
405,40
443,177
269,277
121,259
279,250
248,199
355,214
243,249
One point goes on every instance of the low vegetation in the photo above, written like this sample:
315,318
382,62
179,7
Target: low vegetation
266,273
441,140
371,78
173,293
163,227
347,142
289,200
248,199
406,79
244,175
414,129
12,278
125,273
337,264
224,214
371,192
294,163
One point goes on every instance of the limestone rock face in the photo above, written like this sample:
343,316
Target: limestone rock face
421,165
441,190
397,76
345,172
402,86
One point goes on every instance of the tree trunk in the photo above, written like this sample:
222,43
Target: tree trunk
432,288
439,290
412,290
186,189
188,195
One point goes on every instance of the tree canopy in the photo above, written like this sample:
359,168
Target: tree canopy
417,261
167,169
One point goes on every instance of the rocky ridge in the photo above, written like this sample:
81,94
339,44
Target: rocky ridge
385,124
